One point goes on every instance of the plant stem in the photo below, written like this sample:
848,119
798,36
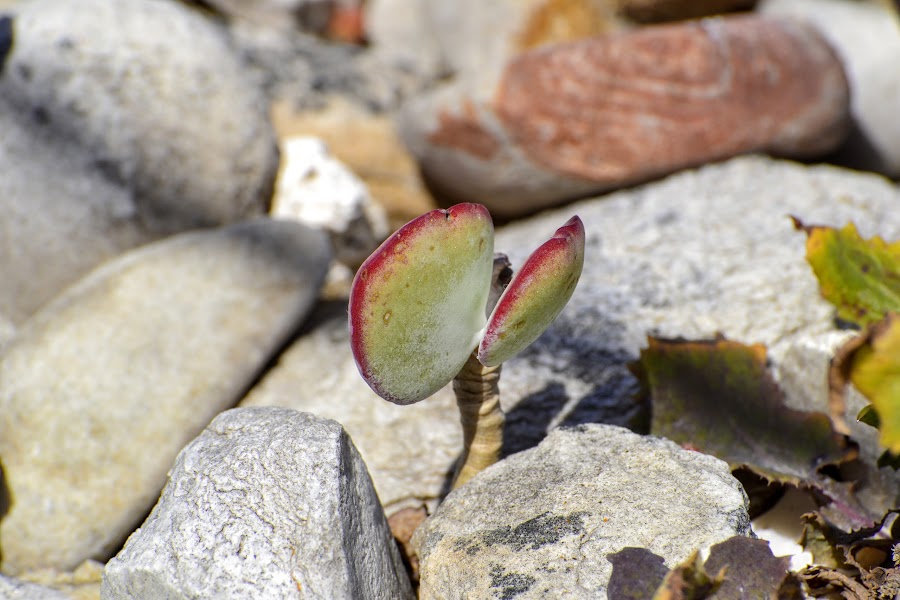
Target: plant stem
478,398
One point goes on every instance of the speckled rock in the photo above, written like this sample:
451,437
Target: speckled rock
572,119
101,389
265,503
123,121
866,37
542,523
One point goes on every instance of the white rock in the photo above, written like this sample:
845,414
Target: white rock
866,36
541,524
317,189
265,503
101,389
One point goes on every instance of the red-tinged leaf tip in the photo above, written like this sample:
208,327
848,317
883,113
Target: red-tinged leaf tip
535,296
417,303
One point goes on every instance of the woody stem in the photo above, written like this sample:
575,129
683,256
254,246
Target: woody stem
478,398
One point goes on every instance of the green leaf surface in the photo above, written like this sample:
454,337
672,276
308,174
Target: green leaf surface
417,305
860,277
718,396
872,364
869,416
534,298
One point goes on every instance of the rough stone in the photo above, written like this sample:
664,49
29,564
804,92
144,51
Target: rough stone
122,122
13,589
81,584
265,503
308,72
866,37
102,387
542,523
572,119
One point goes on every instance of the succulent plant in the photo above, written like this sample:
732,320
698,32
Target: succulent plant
422,313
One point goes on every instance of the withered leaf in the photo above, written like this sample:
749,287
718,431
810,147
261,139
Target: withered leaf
718,396
689,581
637,574
751,571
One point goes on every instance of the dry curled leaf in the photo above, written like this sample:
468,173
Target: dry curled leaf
718,396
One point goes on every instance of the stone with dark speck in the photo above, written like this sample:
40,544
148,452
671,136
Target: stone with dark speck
541,523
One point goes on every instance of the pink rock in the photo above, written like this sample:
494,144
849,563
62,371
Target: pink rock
590,116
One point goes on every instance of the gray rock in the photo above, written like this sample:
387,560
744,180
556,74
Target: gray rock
122,121
400,34
265,503
13,589
157,99
57,210
287,15
102,388
867,38
541,524
705,251
305,72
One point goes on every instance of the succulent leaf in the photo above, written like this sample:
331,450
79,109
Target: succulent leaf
535,296
417,305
